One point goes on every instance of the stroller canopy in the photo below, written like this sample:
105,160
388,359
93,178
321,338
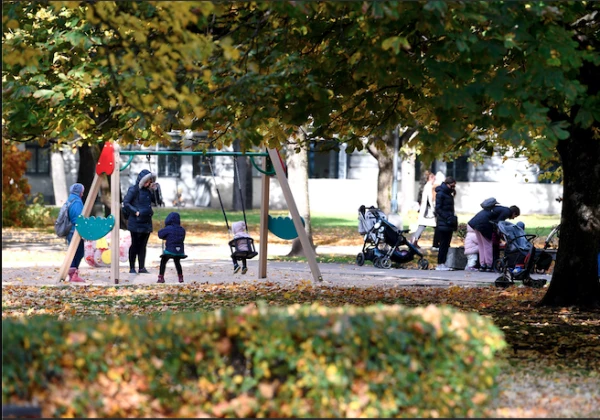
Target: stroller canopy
515,237
367,217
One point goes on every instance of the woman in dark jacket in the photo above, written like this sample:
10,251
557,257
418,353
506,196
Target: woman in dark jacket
138,203
482,224
445,219
174,235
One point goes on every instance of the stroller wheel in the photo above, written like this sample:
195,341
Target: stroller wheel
360,259
376,262
385,263
423,264
499,265
503,282
537,283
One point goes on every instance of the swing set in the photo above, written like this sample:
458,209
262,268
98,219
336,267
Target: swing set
92,228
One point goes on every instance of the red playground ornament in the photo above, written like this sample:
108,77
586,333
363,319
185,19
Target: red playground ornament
106,163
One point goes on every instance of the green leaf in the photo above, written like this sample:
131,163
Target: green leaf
43,93
558,131
584,118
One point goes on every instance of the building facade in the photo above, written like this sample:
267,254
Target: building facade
338,182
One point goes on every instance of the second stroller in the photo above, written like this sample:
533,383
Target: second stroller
519,257
382,241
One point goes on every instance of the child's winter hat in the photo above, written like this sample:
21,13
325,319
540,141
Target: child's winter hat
77,189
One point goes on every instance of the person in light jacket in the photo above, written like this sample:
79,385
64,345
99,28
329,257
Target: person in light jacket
426,210
239,231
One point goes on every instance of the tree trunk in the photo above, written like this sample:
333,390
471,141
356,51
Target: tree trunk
59,179
88,157
243,171
385,163
297,164
385,176
575,279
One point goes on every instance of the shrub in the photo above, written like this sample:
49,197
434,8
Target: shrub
14,185
297,361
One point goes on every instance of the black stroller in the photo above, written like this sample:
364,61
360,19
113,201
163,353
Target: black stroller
382,241
519,257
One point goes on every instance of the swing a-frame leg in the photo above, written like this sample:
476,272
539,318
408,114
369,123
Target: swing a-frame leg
291,203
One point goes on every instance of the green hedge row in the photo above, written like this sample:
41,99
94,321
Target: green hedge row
257,361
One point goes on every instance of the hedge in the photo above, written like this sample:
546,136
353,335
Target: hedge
257,361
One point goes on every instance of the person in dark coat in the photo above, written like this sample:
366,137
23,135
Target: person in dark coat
482,224
138,202
174,235
75,209
446,221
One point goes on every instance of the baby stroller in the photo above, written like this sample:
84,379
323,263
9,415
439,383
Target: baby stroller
519,257
382,241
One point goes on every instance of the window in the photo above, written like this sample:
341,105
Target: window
200,163
459,169
40,159
169,165
323,160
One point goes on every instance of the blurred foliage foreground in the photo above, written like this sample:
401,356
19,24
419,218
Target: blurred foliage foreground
247,349
257,361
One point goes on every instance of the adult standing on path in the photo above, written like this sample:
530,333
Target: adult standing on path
75,209
445,218
138,203
426,210
482,223
439,180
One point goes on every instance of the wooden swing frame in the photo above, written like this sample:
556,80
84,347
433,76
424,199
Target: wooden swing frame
277,164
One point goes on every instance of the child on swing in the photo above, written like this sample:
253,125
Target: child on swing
174,235
239,231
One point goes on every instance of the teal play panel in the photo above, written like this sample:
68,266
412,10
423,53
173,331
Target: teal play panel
94,228
283,227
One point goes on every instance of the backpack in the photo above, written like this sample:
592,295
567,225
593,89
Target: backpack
63,224
489,203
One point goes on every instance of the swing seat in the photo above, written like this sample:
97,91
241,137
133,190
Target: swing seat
242,248
171,254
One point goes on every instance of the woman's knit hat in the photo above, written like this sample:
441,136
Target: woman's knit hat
77,189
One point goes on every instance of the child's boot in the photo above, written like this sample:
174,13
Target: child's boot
236,268
244,270
74,276
181,278
161,278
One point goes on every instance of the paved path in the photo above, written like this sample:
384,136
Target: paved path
38,263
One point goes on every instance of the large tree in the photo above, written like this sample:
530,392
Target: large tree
490,76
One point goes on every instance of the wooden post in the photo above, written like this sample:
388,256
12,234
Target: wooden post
264,222
115,207
87,209
291,203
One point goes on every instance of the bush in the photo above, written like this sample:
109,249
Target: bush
37,213
15,187
297,361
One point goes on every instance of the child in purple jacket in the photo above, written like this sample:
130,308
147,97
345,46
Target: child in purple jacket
174,235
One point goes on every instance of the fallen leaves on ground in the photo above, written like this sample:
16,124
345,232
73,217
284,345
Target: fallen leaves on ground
553,356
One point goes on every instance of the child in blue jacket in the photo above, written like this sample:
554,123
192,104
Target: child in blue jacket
174,235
